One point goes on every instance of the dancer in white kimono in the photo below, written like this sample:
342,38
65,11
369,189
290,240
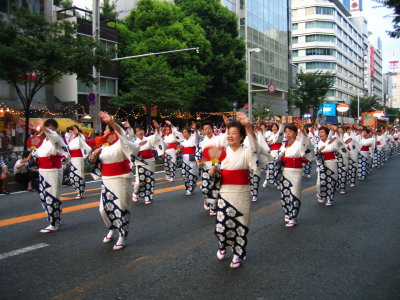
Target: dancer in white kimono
145,164
171,138
353,147
190,169
233,217
366,151
327,166
263,158
274,140
342,156
116,177
291,157
209,185
78,150
49,159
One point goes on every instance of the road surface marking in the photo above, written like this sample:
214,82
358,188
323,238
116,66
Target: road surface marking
23,250
16,220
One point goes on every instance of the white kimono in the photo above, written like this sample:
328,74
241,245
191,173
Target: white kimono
116,191
51,152
77,166
233,211
145,168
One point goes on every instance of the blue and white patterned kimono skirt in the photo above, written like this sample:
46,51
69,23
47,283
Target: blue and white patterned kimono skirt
290,187
77,174
115,201
50,181
327,176
233,218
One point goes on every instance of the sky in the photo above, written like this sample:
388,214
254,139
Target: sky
378,24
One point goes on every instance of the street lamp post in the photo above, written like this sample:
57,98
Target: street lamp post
234,104
358,106
250,100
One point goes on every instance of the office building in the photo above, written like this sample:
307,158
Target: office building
325,38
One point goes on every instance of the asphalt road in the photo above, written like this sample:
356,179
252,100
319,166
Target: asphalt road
348,251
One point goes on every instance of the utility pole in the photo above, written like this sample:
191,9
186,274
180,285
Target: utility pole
95,109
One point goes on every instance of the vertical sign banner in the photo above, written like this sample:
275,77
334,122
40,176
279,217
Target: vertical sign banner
372,60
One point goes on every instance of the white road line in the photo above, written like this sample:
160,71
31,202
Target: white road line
23,250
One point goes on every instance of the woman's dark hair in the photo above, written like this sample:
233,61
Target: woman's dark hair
326,129
25,154
104,125
75,126
291,127
51,122
367,130
138,127
187,129
275,124
206,123
239,126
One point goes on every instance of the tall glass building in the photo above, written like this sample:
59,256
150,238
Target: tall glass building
265,24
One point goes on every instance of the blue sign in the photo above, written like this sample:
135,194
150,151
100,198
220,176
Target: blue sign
328,109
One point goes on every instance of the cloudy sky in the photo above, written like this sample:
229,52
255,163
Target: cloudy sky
378,24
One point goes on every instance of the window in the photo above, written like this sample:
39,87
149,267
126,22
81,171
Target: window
320,65
110,46
295,26
320,51
325,10
310,10
320,24
295,40
319,38
330,93
108,86
295,53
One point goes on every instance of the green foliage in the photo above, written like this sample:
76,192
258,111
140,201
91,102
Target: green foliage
311,90
395,5
367,104
31,45
108,10
64,3
225,66
262,112
169,81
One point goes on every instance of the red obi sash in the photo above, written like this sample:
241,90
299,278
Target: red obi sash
236,177
328,155
275,146
50,162
292,162
189,150
365,148
396,139
115,169
171,146
147,154
378,143
76,153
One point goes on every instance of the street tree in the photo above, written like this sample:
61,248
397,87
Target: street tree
395,5
367,104
108,10
169,81
226,66
35,52
310,92
262,112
